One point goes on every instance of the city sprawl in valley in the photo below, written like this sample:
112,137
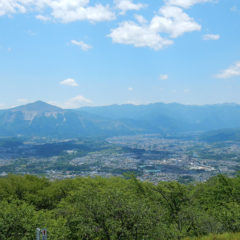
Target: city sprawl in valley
149,157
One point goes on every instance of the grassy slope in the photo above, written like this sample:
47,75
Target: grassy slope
225,236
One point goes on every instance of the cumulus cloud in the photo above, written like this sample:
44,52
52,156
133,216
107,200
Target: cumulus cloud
84,46
74,10
138,35
185,3
211,37
12,6
232,71
126,5
63,10
77,102
174,21
163,77
69,82
170,20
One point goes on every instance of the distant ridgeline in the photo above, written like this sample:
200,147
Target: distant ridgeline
42,119
221,135
118,208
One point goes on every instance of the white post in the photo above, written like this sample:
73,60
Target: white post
38,230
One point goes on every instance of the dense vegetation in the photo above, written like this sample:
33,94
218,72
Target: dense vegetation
117,208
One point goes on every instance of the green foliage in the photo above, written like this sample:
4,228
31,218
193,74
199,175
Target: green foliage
117,208
19,220
225,236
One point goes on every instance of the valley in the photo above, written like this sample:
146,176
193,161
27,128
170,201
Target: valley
155,142
150,157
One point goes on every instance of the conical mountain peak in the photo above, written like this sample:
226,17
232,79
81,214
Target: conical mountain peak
38,106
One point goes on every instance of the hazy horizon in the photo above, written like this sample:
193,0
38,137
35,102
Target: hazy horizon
59,106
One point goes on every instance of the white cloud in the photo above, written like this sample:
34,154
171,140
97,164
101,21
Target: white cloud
232,71
43,18
126,5
186,3
140,19
130,89
63,10
174,21
77,102
170,20
11,6
138,35
77,10
69,82
211,37
84,46
163,77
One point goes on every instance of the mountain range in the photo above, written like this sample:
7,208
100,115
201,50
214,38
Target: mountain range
45,120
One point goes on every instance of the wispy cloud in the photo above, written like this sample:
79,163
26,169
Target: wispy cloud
130,89
186,3
22,100
234,9
163,77
69,82
140,19
232,71
43,18
133,103
84,46
211,37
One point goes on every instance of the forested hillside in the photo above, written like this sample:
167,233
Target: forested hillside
117,208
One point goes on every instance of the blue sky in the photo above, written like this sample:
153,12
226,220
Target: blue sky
76,53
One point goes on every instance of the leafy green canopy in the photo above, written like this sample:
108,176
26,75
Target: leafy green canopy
117,208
